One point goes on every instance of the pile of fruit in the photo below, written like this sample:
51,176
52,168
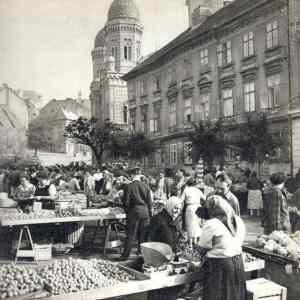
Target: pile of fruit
110,270
17,281
74,275
280,243
42,214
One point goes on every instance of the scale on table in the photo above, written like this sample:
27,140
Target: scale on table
159,260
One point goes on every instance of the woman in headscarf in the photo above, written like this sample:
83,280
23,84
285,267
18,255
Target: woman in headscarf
165,227
221,242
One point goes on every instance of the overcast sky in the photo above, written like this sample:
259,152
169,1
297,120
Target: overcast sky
45,45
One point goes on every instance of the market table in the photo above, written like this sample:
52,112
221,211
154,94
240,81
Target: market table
24,224
133,287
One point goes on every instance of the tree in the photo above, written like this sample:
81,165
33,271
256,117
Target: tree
99,137
208,141
139,146
256,141
38,138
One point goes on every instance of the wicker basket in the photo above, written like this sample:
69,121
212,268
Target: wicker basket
43,252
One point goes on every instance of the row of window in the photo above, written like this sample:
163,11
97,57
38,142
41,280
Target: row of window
127,50
224,57
224,50
202,107
174,153
271,99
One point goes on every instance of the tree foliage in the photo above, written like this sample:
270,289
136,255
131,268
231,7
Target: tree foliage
38,137
255,139
208,141
139,146
99,137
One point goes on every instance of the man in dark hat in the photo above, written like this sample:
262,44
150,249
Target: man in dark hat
138,207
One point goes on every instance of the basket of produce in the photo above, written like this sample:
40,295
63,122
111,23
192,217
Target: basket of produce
278,246
156,254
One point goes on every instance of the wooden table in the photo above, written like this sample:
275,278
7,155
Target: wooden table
15,223
23,226
132,287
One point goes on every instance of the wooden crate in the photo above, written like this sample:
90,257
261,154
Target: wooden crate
285,275
43,252
262,288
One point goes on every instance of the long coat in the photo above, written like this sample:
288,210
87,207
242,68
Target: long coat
276,211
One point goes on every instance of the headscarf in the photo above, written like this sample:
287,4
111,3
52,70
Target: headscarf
219,208
171,203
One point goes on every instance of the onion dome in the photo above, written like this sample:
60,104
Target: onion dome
123,9
100,39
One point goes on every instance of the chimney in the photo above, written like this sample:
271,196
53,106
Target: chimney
200,10
190,12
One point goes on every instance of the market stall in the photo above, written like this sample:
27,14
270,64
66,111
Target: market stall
24,222
282,260
94,279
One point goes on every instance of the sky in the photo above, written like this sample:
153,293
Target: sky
45,45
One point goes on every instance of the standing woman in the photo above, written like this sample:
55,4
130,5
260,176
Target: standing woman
221,242
255,201
192,198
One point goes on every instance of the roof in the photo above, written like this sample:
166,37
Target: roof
123,9
219,19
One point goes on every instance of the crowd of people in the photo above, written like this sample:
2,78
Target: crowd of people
203,208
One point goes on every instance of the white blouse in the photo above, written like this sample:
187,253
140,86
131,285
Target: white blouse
219,241
192,196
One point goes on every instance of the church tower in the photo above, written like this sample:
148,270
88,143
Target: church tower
124,34
117,50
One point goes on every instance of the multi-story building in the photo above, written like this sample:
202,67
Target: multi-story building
233,60
116,51
53,118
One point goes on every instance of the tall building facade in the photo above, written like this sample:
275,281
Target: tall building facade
117,50
237,57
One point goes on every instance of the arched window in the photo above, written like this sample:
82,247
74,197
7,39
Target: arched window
138,50
128,49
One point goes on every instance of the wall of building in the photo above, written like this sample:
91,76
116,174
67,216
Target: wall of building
193,78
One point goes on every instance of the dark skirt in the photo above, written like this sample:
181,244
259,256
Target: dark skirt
224,279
